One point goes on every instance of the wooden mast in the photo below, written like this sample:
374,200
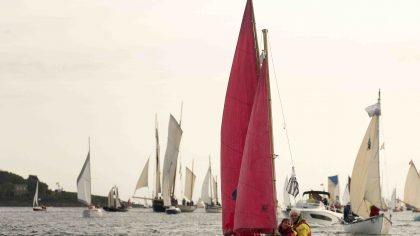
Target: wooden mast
270,117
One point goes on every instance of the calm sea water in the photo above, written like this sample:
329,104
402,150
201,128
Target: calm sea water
69,221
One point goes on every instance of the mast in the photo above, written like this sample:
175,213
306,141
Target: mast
90,180
270,116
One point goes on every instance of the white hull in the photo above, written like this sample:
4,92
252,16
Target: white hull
187,208
318,216
373,225
213,209
95,212
417,218
173,210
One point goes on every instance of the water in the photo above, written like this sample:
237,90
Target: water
69,221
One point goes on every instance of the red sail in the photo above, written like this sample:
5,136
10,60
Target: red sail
237,110
255,210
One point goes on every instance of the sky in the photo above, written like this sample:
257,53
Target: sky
103,69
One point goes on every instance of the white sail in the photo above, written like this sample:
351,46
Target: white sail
205,189
111,198
393,203
346,195
83,183
214,190
171,158
35,202
144,177
189,183
412,187
365,179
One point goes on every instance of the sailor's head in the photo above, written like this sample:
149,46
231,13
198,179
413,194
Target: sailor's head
294,214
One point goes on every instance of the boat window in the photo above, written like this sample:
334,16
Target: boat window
320,217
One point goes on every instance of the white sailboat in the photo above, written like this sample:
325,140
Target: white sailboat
84,189
209,193
412,188
169,166
187,203
395,205
35,205
365,186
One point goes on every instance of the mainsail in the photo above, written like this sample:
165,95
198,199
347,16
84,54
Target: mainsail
171,158
189,183
365,189
205,189
236,114
334,188
256,202
83,183
412,187
35,202
157,187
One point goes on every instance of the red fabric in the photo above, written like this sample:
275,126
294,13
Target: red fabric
374,211
237,110
256,204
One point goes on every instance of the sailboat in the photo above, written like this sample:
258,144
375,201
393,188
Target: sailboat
84,189
209,193
247,157
395,204
365,186
169,166
35,205
188,203
412,188
114,202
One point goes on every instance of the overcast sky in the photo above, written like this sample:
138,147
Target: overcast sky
104,68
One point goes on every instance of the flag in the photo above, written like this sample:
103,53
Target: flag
293,186
374,109
382,146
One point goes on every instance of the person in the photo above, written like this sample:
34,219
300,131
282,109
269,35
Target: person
347,214
183,201
299,224
285,228
374,211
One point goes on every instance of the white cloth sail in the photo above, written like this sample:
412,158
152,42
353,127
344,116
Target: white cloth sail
393,203
114,198
365,179
346,195
189,183
214,190
171,158
286,196
144,177
35,202
205,189
158,186
84,183
412,187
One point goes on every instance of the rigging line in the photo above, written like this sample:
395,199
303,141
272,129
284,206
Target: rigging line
281,104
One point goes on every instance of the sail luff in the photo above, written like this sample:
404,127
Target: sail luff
236,114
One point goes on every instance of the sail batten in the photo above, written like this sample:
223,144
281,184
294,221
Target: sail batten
236,114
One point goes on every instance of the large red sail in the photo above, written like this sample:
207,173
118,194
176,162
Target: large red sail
237,110
255,210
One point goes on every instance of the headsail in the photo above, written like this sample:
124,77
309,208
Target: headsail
412,187
365,189
35,202
189,183
205,189
83,183
236,114
171,159
144,177
256,201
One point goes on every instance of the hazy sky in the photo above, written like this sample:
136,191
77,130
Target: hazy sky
104,68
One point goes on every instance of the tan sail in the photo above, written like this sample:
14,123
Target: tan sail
189,183
365,181
144,177
412,187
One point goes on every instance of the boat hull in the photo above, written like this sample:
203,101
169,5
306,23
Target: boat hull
213,209
172,210
111,209
187,208
373,225
158,206
92,213
417,218
39,208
